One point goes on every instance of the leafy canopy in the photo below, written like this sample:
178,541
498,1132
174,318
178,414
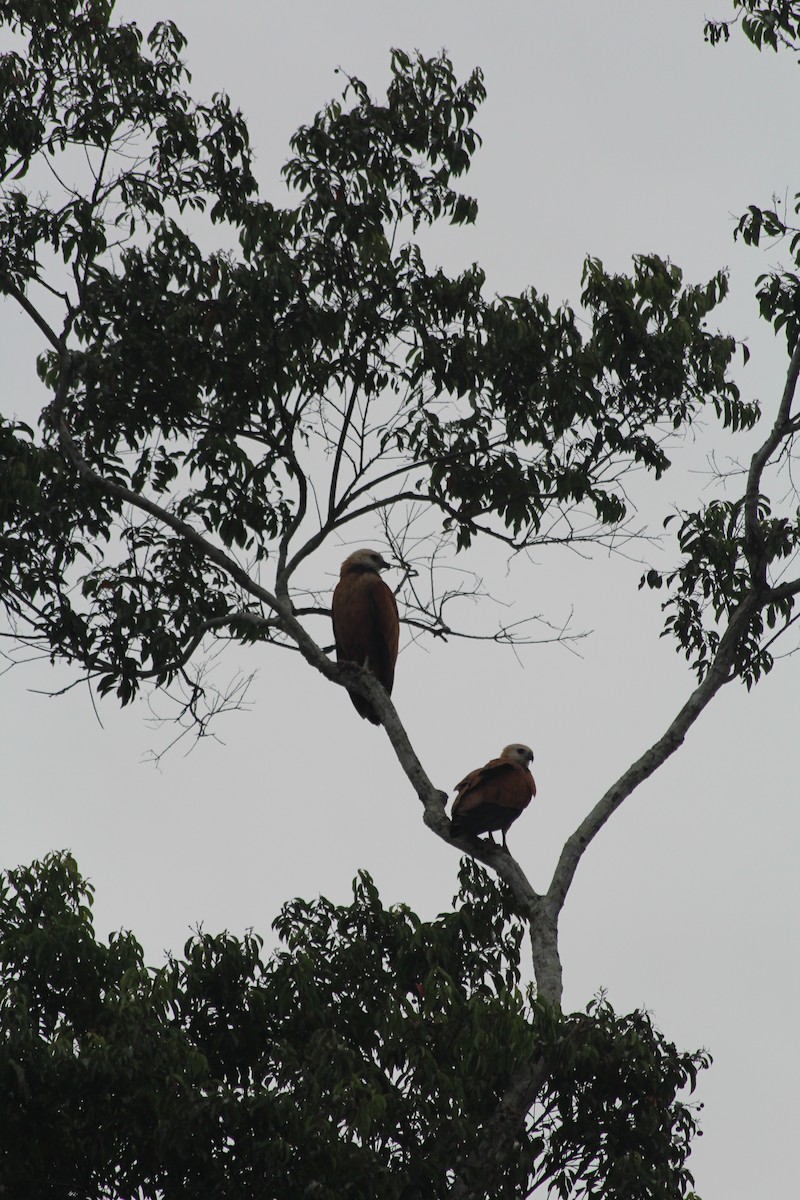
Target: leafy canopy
227,1074
213,416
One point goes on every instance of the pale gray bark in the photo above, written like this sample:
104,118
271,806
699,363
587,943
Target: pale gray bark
543,913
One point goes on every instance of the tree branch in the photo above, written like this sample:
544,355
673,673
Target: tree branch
22,300
722,668
753,540
164,516
497,1136
343,432
718,675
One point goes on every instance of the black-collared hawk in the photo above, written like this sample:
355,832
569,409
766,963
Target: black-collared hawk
365,622
492,797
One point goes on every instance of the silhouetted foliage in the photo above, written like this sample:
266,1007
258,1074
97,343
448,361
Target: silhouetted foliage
229,383
214,416
227,1074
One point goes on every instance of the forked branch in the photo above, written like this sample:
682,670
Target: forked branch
722,668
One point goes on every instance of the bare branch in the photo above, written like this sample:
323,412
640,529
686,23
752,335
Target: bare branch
22,300
191,719
651,760
720,672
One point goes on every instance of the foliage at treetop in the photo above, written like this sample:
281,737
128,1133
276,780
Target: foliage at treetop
213,417
227,1074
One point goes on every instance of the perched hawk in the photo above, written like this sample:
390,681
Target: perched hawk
365,622
492,797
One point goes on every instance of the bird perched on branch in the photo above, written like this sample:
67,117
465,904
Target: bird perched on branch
492,797
366,626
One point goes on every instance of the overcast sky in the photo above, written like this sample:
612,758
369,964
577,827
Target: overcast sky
610,129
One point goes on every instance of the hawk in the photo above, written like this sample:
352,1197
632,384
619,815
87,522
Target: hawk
366,626
493,796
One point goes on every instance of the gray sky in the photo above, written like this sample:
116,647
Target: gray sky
610,128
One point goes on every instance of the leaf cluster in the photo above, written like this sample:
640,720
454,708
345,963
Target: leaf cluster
715,580
765,23
363,1057
557,417
618,1130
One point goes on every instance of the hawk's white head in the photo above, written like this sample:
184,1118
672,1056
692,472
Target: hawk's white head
518,752
365,560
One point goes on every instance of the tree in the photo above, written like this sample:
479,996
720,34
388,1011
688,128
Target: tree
320,377
226,1075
